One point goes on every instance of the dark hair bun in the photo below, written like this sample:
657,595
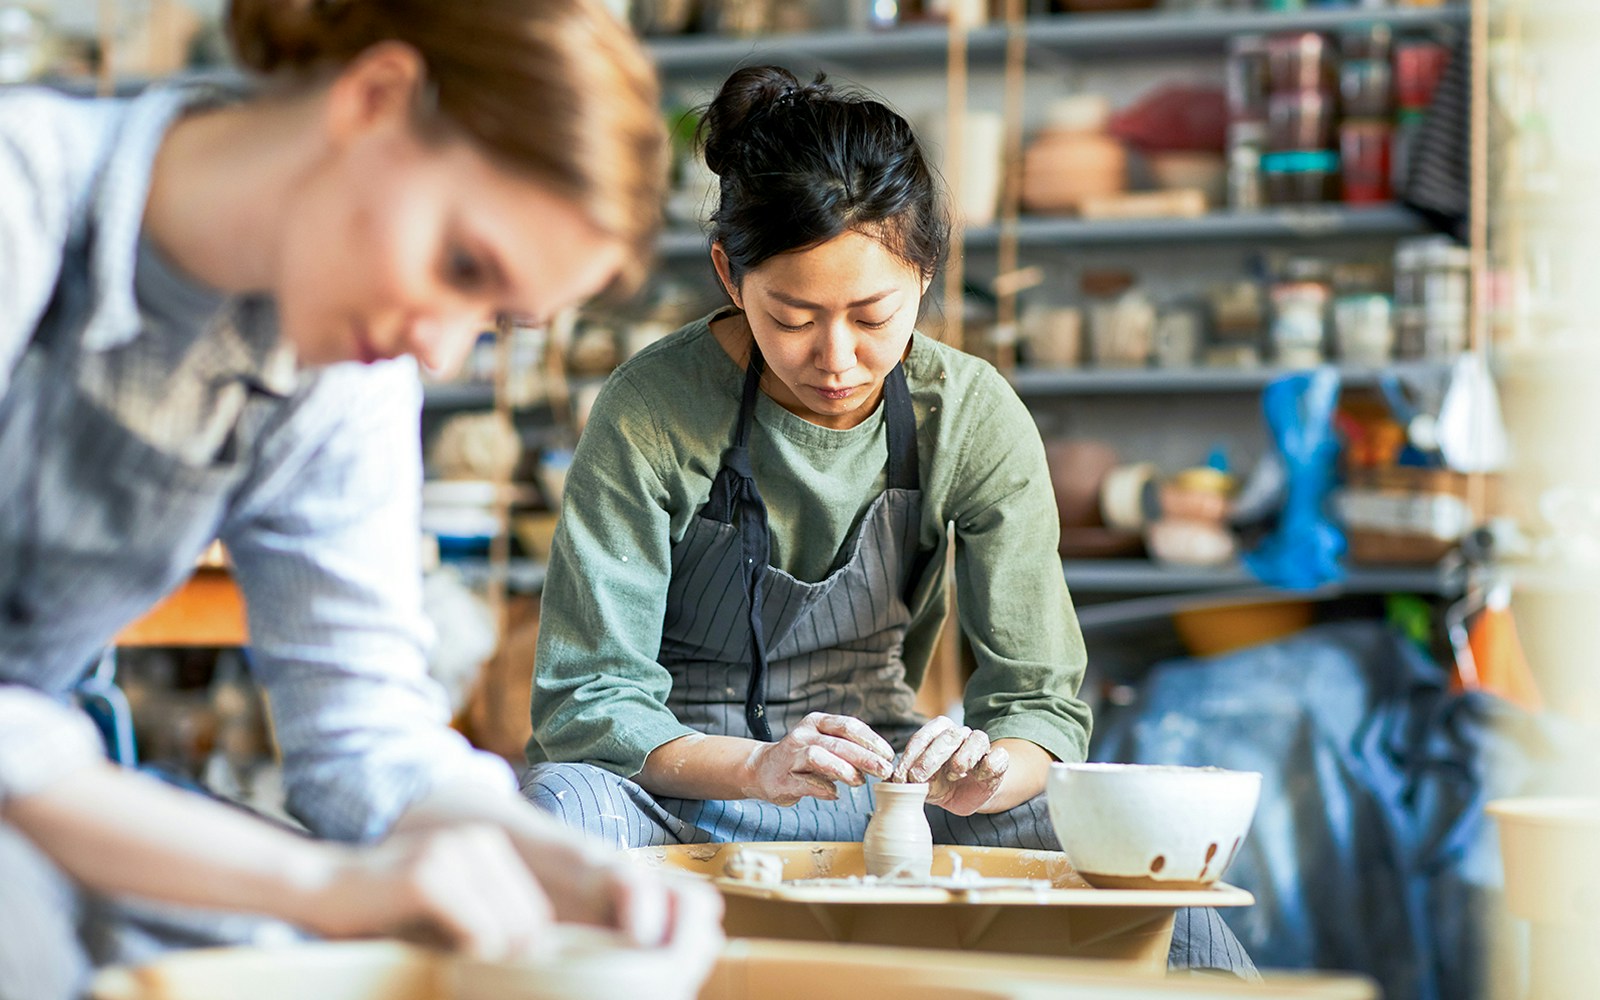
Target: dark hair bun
271,35
747,95
798,164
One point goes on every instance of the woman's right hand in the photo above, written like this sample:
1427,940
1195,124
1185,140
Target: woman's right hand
813,755
464,887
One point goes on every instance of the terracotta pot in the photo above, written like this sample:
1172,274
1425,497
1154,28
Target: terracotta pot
1060,169
1077,468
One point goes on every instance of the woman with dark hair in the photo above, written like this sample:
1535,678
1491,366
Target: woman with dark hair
748,577
212,301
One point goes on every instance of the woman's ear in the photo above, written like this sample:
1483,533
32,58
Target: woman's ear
719,260
380,86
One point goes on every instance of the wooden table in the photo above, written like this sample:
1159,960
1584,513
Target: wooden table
208,610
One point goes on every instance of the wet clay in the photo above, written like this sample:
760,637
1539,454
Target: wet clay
748,865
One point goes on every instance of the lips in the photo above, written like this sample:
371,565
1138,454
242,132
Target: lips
833,393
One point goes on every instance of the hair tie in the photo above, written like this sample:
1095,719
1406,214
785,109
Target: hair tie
787,98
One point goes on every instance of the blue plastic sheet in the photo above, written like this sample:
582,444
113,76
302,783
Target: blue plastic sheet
1370,851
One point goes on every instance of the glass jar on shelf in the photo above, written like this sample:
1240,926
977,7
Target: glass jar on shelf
1299,323
1121,319
1432,286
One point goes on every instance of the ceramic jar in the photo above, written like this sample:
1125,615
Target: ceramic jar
898,841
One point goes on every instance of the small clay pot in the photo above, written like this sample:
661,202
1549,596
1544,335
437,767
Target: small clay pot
899,842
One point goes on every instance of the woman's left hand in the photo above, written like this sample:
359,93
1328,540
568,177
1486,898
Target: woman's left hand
962,770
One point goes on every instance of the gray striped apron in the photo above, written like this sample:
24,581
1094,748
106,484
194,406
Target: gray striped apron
91,517
752,650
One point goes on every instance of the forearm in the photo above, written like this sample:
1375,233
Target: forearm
445,806
117,831
702,767
1025,777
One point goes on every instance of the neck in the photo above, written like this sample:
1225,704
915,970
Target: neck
218,187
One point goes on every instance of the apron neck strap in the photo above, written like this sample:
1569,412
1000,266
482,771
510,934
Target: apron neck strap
747,404
904,473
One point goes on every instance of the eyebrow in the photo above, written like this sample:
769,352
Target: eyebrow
790,300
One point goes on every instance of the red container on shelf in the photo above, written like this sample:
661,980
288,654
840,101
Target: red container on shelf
1366,149
1418,67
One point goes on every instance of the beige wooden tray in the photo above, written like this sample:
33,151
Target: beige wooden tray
747,970
1069,919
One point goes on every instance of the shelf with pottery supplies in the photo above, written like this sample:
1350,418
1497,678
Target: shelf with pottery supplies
1034,382
1141,576
458,396
1320,222
1079,36
523,576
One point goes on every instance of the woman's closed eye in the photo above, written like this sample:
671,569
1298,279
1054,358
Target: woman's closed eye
464,270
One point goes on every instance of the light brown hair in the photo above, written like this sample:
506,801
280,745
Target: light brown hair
558,90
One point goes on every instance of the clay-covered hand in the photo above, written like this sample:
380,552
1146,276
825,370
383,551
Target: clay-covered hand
962,770
821,750
585,880
463,886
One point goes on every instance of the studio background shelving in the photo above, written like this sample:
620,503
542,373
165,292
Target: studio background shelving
1078,36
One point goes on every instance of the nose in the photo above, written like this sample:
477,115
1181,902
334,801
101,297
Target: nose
836,347
440,342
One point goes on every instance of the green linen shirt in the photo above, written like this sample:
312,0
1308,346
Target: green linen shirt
644,468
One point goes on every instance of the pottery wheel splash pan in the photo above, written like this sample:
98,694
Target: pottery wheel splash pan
1067,919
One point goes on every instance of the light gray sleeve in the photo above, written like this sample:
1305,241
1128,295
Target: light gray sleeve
331,575
35,214
41,741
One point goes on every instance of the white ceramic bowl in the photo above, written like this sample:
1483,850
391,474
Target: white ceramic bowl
1138,826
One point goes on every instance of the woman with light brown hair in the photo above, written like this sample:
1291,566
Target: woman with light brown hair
212,302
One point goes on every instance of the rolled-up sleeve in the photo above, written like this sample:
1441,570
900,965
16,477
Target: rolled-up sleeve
41,741
332,581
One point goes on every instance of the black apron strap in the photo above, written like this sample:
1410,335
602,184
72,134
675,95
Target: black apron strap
904,471
724,488
902,431
735,500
